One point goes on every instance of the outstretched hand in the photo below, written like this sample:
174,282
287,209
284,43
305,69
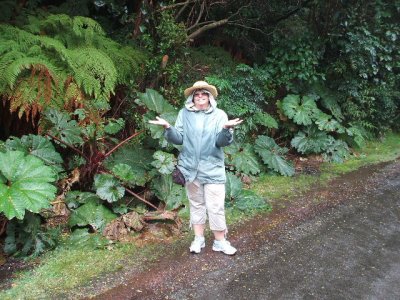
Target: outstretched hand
232,123
160,121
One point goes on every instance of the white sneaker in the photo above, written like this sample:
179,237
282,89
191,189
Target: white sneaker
224,246
197,244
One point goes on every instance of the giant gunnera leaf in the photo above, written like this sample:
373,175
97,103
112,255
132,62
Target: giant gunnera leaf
91,213
173,195
311,140
25,184
163,162
63,127
154,101
157,106
243,158
137,158
300,110
336,151
233,186
38,146
272,155
108,187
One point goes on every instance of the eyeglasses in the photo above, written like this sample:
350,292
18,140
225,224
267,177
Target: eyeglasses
200,94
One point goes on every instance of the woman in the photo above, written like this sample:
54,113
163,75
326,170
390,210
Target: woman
203,130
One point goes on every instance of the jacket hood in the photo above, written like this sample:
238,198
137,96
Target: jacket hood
189,104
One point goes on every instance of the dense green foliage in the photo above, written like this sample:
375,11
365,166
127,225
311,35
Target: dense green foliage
308,77
62,62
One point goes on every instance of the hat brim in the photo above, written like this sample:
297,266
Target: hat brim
212,89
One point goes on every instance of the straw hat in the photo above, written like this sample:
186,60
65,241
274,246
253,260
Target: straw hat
200,85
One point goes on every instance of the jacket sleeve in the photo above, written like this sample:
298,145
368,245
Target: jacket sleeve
224,136
174,134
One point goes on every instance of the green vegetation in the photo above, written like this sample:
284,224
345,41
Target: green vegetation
278,188
67,269
79,80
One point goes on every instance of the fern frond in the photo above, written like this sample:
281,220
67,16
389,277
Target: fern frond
5,61
73,95
62,61
18,66
7,45
130,63
74,32
86,27
23,39
94,72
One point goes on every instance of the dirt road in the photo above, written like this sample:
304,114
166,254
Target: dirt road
338,242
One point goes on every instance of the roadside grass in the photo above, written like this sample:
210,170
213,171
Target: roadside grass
277,188
65,270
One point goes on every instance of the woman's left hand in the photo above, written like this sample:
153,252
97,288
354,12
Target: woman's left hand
232,123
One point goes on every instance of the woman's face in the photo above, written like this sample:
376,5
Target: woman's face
201,99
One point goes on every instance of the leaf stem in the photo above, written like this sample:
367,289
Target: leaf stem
123,142
140,198
129,191
68,145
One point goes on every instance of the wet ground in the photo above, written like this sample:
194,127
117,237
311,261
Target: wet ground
338,242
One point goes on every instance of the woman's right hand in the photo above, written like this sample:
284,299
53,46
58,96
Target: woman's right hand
160,121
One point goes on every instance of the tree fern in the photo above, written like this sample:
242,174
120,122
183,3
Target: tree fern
94,71
64,62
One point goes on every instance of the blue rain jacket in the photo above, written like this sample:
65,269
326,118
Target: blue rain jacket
202,136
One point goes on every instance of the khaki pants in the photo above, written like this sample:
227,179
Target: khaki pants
206,199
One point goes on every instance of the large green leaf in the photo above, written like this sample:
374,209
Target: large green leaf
265,119
327,123
301,111
24,184
38,146
81,238
28,237
76,198
336,151
114,126
154,101
108,187
156,131
124,172
243,158
91,213
310,141
157,106
233,186
63,127
164,162
173,195
328,100
272,155
357,135
138,158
